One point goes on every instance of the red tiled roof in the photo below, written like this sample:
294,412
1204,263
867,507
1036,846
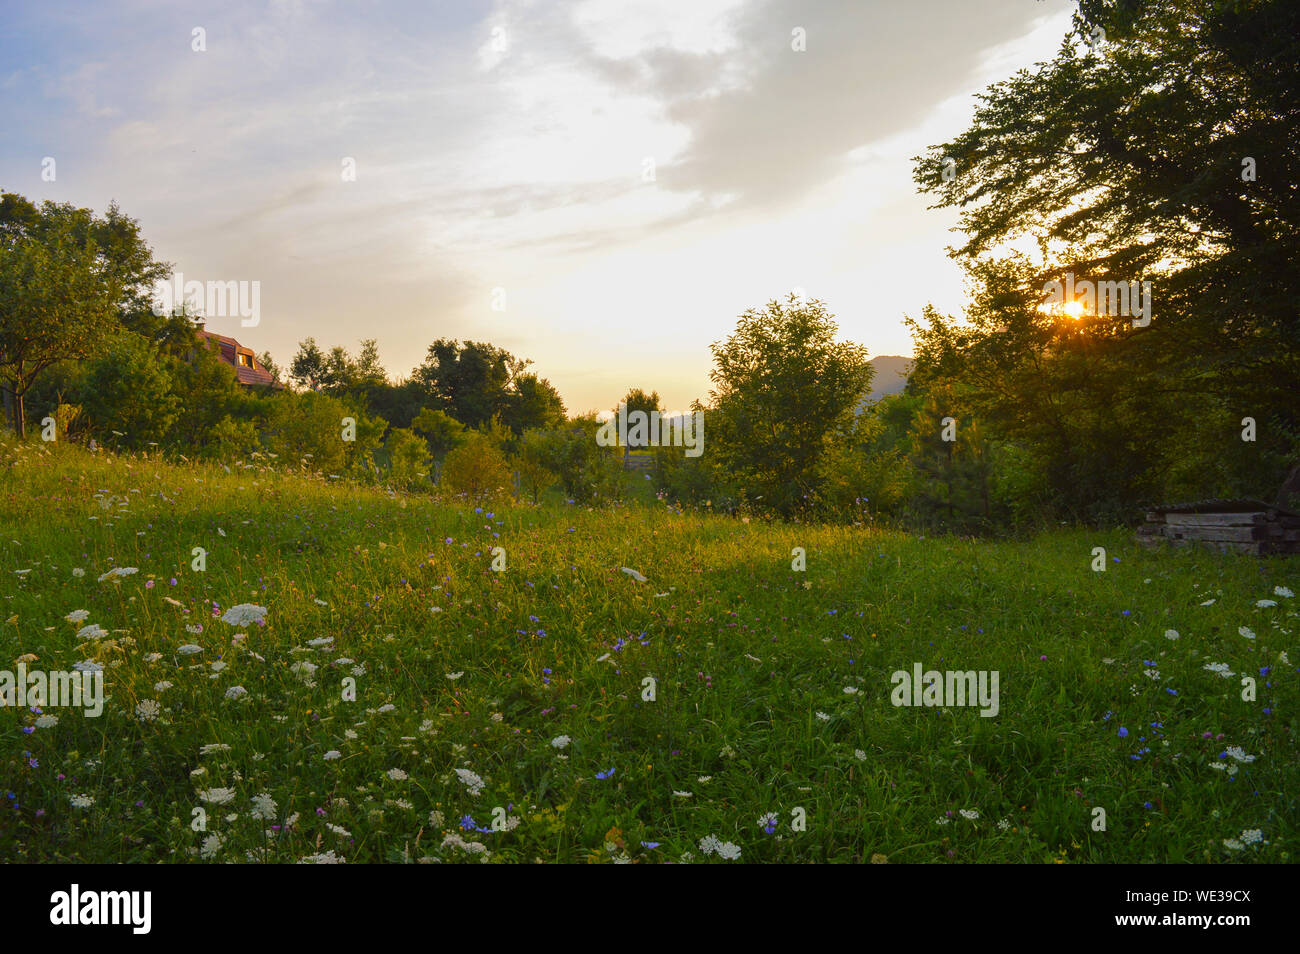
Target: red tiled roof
229,349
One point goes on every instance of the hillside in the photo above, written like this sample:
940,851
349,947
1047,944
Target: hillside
890,377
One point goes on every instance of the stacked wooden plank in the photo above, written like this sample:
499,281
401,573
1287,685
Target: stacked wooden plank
1246,526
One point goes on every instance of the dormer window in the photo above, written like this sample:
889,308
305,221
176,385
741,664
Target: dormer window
246,360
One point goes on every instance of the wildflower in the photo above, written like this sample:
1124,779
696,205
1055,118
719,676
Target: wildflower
560,741
1282,591
189,649
970,814
1238,753
235,692
211,845
264,807
117,572
324,858
245,614
331,755
1220,668
605,774
768,822
146,710
1244,631
81,801
710,844
470,780
1171,634
217,796
397,775
76,616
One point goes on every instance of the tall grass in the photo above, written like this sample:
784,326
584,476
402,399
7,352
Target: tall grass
457,666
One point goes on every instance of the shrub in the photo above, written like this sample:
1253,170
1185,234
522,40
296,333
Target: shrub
475,468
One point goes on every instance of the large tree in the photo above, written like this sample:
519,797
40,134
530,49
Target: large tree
470,381
56,304
784,388
1158,145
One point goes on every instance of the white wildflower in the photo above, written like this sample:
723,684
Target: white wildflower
146,710
245,614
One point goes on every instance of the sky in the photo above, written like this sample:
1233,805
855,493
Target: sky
600,186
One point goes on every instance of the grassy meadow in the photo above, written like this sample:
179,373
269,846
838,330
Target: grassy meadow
518,695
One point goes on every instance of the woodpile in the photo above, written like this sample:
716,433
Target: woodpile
1245,526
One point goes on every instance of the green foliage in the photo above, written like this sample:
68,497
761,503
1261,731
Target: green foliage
230,439
532,402
471,382
442,431
531,463
408,457
785,391
1128,160
307,429
586,470
128,388
207,391
477,468
57,299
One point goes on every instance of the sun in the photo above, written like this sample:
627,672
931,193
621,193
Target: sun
1072,309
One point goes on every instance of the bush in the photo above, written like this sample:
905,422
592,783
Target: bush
308,428
476,468
408,457
231,439
534,474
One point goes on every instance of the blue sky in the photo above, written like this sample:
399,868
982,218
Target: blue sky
521,168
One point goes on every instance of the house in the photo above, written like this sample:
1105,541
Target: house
245,363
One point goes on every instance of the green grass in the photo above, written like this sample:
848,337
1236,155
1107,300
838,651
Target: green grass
751,661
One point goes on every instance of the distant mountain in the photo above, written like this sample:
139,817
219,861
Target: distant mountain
890,377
